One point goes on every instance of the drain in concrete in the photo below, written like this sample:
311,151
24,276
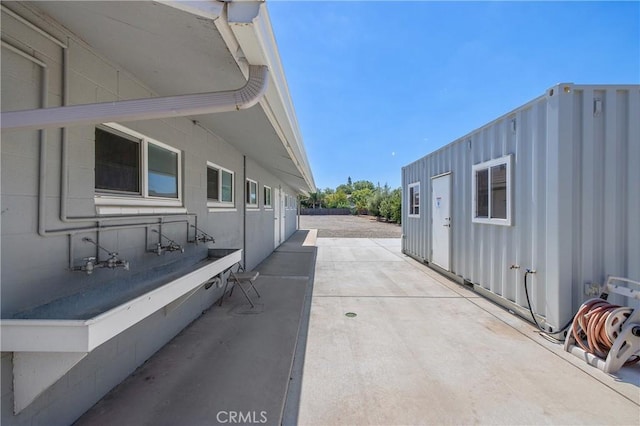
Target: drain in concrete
350,315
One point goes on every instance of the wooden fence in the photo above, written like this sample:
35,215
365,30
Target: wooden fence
319,212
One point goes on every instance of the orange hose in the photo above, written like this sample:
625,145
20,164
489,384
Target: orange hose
589,330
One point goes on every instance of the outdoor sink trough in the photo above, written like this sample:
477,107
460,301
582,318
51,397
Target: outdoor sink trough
219,253
50,339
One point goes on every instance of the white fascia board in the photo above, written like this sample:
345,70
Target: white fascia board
32,335
249,21
205,9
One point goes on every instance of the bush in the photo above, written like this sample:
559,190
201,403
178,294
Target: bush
374,204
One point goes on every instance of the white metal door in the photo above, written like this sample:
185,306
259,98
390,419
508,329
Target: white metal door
283,215
276,216
441,221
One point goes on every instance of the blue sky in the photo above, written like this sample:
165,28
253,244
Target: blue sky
377,85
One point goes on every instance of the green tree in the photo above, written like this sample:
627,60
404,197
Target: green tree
391,205
337,199
344,188
360,199
315,198
374,203
313,201
396,205
363,184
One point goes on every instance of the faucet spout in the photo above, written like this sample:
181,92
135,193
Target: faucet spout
91,263
172,246
203,237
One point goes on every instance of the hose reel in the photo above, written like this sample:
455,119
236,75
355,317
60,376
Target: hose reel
607,336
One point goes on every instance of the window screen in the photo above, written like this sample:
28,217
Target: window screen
482,191
117,166
499,191
267,196
163,172
414,199
213,190
252,192
227,187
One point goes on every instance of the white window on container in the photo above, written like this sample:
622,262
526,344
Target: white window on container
267,197
491,183
132,169
252,193
219,186
414,199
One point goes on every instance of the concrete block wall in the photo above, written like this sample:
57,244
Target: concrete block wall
261,221
35,268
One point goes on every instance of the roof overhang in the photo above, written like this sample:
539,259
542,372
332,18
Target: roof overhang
189,47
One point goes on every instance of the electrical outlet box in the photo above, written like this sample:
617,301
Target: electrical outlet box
592,289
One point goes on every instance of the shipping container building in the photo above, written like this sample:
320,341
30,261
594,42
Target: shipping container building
552,187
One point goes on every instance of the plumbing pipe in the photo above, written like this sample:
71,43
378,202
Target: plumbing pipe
42,183
42,136
144,109
23,54
64,177
69,232
33,26
244,212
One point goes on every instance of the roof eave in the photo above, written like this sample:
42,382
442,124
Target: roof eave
249,21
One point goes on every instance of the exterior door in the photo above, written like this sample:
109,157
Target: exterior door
276,215
441,221
283,216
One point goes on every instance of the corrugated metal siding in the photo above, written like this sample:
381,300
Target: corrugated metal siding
575,198
414,228
606,233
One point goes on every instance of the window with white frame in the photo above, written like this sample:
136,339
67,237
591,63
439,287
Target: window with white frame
267,197
252,193
491,183
219,186
133,169
414,199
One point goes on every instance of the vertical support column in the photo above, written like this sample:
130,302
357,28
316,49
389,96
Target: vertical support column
557,277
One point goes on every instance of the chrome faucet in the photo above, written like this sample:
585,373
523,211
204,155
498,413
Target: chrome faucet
91,263
172,246
203,237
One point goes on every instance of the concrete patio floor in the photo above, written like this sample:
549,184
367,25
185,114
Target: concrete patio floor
420,350
425,350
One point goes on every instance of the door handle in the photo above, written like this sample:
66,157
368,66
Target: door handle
447,225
